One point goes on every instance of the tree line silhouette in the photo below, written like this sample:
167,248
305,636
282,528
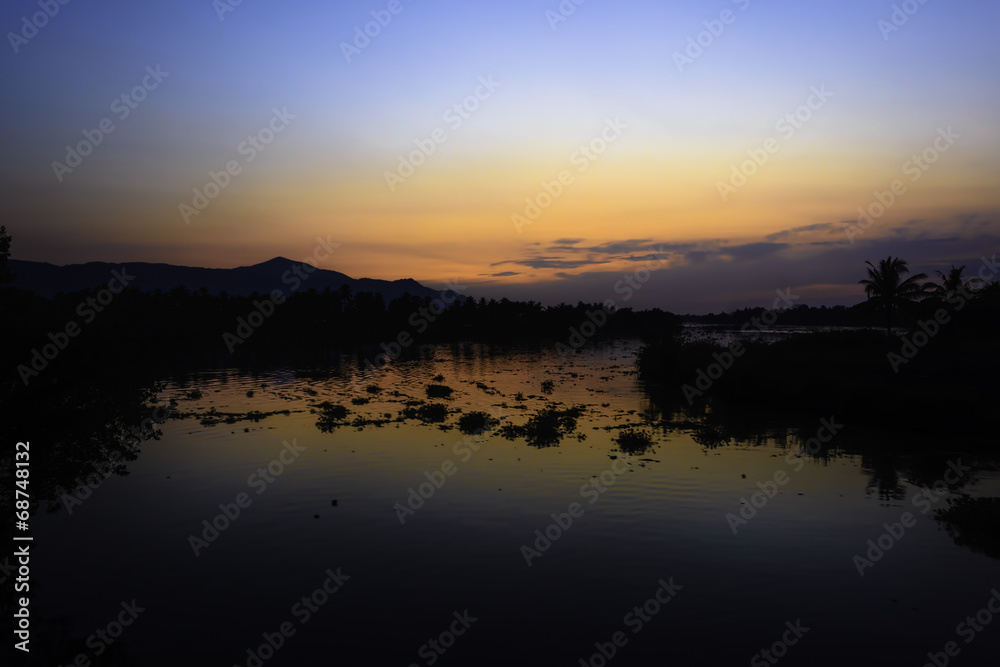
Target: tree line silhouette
938,356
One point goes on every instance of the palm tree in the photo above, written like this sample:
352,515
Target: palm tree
886,289
952,284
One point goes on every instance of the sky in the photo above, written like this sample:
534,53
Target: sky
703,153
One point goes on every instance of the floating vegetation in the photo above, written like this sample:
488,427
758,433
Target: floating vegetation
332,410
359,400
430,413
548,386
360,422
194,394
213,416
488,389
973,523
439,391
519,396
475,422
439,378
634,442
546,428
331,416
373,389
711,436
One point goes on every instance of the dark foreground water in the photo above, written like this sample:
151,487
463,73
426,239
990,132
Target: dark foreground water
324,563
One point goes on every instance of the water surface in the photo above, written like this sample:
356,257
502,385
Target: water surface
333,507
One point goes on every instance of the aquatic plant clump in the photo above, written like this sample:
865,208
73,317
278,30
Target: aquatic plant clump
439,391
331,416
634,442
332,410
475,422
430,413
546,428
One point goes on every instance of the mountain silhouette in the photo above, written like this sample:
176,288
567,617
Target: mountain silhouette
279,273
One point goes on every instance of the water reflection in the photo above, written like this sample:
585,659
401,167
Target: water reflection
81,433
974,523
894,467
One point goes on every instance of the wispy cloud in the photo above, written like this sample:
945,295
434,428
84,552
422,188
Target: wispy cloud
551,263
753,251
828,227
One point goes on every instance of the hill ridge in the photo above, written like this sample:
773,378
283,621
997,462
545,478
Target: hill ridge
46,279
